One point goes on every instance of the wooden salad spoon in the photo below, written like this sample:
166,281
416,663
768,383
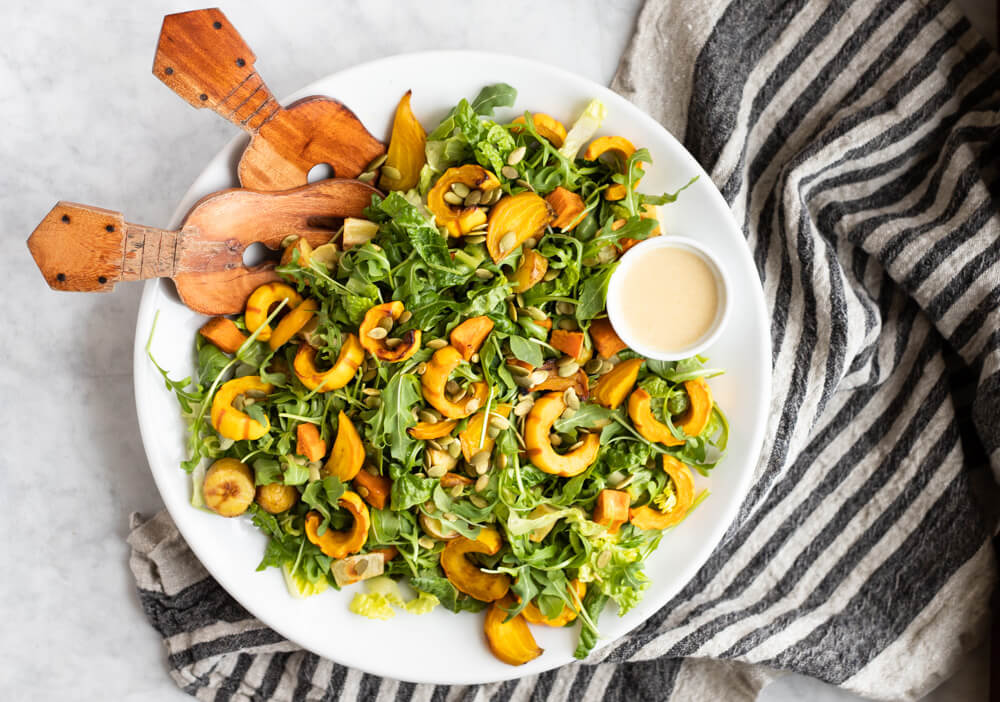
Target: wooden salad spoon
202,58
89,249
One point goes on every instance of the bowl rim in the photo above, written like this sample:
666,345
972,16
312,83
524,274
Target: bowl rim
612,100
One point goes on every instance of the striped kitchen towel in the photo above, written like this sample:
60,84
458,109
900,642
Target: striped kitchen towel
858,144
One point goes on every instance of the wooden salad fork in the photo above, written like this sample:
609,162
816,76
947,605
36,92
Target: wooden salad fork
202,58
89,249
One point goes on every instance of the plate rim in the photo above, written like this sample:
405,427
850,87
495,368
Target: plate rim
714,538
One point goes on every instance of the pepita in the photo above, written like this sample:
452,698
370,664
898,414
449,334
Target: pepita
575,446
373,402
456,490
374,392
455,449
391,173
499,422
453,199
492,432
405,317
539,377
476,239
450,516
518,371
603,559
507,242
511,311
564,360
367,177
550,275
565,308
593,366
523,381
568,413
460,189
289,240
436,344
363,491
535,313
502,461
482,482
510,173
426,542
378,333
483,274
421,367
436,471
393,342
567,324
473,198
452,387
525,184
555,440
472,405
515,156
522,408
569,369
571,399
478,501
377,162
530,243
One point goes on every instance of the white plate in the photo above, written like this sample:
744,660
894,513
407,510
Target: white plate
442,647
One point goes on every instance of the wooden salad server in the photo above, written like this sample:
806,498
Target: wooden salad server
88,249
202,58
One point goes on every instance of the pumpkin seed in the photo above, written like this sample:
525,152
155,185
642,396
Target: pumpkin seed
606,367
435,444
450,516
452,387
550,276
426,542
535,313
405,317
539,377
289,240
477,239
422,368
568,413
474,358
523,407
555,440
508,241
519,299
518,371
472,405
492,432
523,381
590,261
603,559
391,173
567,324
530,243
256,394
426,416
510,173
482,482
495,196
374,392
363,491
473,198
593,366
369,374
378,161
563,360
481,458
436,344
378,333
525,184
373,402
460,189
455,449
624,482
569,369
511,311
607,254
502,461
393,342
570,398
565,308
447,440
456,490
478,501
367,177
482,469
499,422
483,274
436,471
453,199
515,156
575,446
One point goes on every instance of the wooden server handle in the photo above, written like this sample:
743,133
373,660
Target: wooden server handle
202,58
87,249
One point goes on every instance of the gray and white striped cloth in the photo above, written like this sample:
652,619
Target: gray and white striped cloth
858,143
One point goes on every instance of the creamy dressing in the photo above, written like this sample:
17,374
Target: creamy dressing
669,298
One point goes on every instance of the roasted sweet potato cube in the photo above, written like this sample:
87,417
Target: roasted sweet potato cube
611,509
605,339
224,333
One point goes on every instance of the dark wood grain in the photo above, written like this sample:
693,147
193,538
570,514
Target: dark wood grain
202,58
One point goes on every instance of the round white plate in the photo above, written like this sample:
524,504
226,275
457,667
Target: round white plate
442,647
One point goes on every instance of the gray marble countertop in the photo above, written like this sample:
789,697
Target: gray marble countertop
86,121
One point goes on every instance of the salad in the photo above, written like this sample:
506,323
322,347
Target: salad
436,397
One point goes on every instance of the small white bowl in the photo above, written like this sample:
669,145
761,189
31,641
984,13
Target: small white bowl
615,303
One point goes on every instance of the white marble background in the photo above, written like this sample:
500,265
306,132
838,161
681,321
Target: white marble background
83,119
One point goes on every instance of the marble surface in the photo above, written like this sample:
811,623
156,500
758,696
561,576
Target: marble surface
86,121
